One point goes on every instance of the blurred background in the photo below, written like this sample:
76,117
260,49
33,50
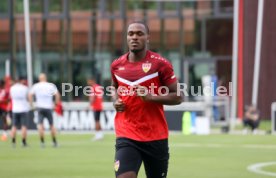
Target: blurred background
219,41
72,40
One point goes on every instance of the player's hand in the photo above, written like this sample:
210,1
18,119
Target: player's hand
119,105
8,119
143,92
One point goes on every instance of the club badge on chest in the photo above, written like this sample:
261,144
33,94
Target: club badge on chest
146,67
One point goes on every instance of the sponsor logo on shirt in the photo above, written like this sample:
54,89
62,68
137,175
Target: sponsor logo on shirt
146,67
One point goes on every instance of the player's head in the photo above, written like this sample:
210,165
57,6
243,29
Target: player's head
42,77
91,81
137,36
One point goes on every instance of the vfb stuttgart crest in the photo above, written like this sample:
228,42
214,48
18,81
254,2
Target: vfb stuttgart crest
146,67
116,165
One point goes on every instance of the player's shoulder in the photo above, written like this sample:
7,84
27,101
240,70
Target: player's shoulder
156,57
119,60
96,86
12,87
52,85
35,85
18,85
43,85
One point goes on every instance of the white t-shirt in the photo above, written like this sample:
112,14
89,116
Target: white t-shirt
19,96
44,92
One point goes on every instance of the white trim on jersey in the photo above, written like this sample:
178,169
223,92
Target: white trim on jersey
136,82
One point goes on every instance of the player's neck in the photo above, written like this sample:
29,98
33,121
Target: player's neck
134,57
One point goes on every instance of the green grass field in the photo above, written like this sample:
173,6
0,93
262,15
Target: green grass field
213,156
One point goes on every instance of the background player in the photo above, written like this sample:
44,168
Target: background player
44,92
4,100
20,110
97,107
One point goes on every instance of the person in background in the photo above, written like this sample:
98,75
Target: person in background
44,93
251,119
4,100
20,110
96,104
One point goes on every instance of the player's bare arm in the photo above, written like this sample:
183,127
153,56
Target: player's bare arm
117,102
57,98
30,99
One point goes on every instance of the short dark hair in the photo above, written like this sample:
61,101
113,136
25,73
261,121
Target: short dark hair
140,22
19,78
22,77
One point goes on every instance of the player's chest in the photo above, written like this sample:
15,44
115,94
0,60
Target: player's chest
136,71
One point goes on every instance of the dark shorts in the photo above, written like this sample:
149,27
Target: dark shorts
45,113
253,124
97,115
20,119
130,154
3,114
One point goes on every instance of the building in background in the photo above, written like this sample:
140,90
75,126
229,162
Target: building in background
73,40
267,79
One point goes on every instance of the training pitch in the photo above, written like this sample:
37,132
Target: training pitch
212,156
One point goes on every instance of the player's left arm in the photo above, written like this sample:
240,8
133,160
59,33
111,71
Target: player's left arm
172,97
56,94
30,97
57,98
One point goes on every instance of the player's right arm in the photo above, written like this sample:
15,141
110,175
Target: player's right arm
57,98
30,97
117,102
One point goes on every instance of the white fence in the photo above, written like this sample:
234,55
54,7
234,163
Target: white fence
78,116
